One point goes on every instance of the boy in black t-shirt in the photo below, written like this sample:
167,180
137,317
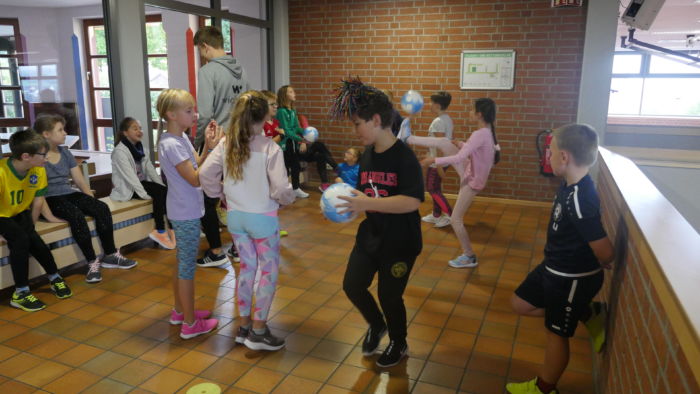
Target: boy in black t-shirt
561,288
389,191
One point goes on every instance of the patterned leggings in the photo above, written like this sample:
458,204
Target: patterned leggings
258,249
434,187
73,208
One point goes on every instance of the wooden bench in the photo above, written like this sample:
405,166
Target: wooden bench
132,220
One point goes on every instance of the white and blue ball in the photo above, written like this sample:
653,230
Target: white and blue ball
310,134
330,199
412,102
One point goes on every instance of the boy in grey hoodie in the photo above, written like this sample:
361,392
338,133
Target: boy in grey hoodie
220,82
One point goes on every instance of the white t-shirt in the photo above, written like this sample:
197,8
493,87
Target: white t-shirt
440,127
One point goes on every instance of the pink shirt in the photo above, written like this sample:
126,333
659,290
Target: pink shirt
477,156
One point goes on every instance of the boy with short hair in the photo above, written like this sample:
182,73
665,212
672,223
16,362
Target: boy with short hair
389,191
442,126
219,83
23,183
561,288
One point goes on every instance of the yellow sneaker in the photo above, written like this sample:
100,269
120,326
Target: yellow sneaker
283,233
529,387
596,325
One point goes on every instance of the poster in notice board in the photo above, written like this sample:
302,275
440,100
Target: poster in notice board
487,69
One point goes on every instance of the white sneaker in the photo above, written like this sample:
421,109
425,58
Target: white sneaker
429,218
443,221
463,261
300,193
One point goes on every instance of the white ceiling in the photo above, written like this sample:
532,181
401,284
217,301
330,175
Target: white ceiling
676,19
49,3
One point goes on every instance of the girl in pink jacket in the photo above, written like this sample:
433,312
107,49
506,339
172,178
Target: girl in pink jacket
473,162
255,185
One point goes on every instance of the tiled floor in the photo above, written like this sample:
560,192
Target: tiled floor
114,337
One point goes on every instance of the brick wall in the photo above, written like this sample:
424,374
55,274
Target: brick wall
401,45
643,354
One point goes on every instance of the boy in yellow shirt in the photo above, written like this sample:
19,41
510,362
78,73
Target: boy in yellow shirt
23,184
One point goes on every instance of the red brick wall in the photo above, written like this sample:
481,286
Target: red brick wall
642,354
401,45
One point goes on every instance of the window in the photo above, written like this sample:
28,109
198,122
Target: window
98,83
157,49
14,110
649,85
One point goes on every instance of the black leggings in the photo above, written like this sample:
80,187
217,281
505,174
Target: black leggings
210,222
319,153
291,161
393,277
158,193
73,208
23,240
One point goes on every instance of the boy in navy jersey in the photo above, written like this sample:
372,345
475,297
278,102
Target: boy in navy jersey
561,288
389,191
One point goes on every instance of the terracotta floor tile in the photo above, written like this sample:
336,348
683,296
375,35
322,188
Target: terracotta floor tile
533,354
28,339
391,384
108,339
259,380
78,355
167,381
441,375
217,345
105,363
331,350
15,387
193,362
346,334
450,355
7,352
36,319
464,324
88,312
352,378
164,354
497,330
316,328
493,346
296,385
487,363
281,361
315,369
135,346
225,371
482,383
423,332
135,372
43,373
19,364
72,382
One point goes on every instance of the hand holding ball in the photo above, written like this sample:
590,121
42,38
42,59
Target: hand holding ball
330,199
412,102
310,134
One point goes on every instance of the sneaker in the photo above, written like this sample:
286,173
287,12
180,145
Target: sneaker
372,338
405,130
232,254
93,275
212,260
116,260
283,233
60,288
177,318
323,187
300,193
162,239
429,218
26,302
265,341
596,325
243,333
393,354
529,387
199,327
463,261
443,221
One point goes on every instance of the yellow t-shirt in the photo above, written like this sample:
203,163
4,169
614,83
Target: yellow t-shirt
17,193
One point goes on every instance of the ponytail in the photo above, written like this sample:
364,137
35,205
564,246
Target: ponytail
250,108
487,108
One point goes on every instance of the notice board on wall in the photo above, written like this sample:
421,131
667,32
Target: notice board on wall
487,69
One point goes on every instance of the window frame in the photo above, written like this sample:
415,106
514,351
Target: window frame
24,121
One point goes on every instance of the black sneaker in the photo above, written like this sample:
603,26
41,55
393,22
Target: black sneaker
242,334
26,302
393,354
116,260
93,275
60,288
212,260
372,338
265,341
232,253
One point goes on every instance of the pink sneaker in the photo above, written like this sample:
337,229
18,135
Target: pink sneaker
199,327
323,187
162,239
178,318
